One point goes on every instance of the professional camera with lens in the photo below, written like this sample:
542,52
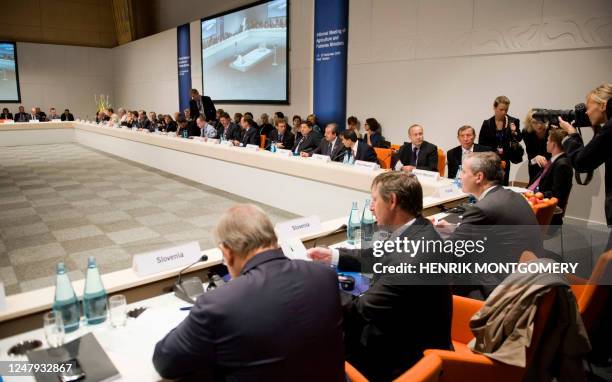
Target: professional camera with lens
577,117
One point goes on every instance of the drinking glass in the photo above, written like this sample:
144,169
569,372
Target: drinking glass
118,310
54,329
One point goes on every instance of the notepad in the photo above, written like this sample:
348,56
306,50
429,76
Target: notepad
294,249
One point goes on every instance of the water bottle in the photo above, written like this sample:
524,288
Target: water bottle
367,223
353,227
185,133
66,302
94,296
457,181
273,147
346,158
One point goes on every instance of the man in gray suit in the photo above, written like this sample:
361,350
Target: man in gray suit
330,146
276,320
501,216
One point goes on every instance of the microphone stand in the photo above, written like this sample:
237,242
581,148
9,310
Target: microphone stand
179,288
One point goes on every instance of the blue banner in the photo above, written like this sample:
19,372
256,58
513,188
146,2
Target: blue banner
330,55
183,58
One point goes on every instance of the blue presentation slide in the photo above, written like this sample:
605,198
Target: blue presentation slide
244,54
8,76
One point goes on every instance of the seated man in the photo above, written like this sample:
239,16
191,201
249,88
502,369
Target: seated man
454,157
555,179
53,114
331,145
227,130
388,327
309,141
206,129
418,154
143,122
67,116
249,134
277,320
284,139
42,117
6,114
22,116
502,216
356,149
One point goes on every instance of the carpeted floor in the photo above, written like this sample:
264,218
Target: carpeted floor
66,202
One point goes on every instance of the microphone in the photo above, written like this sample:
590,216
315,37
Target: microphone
184,292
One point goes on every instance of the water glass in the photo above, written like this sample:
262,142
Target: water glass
118,310
54,329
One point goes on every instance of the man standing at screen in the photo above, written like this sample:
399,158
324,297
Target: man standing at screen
201,105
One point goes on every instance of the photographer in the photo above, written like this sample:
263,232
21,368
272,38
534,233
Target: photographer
597,151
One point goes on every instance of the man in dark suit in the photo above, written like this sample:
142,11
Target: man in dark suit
284,139
331,145
201,105
277,320
501,216
249,135
67,116
144,123
6,114
388,327
228,130
555,179
309,141
454,157
418,154
22,116
356,149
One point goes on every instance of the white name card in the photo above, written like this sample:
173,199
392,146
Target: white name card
34,121
321,157
2,297
447,191
424,174
213,141
9,121
297,227
56,120
294,249
284,152
199,139
367,165
252,147
145,264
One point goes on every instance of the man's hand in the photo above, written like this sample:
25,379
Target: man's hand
280,146
303,154
540,160
567,126
322,255
408,168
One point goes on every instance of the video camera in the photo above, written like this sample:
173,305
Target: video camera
577,117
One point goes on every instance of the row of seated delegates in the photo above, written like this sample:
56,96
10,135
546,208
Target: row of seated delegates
22,116
418,154
501,132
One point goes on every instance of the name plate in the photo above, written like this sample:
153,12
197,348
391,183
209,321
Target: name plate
321,157
447,191
34,121
367,165
214,141
145,264
297,227
199,139
56,120
2,297
9,121
284,152
252,147
424,174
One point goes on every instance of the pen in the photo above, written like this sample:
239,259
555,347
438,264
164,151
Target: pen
185,308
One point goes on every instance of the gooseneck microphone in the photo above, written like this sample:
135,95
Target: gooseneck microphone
185,292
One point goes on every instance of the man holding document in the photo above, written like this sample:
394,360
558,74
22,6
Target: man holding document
276,320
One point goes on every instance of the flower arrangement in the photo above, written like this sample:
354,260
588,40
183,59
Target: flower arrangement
102,103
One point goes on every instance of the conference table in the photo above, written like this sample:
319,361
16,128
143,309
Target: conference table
275,179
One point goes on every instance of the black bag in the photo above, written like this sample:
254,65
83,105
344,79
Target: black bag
516,152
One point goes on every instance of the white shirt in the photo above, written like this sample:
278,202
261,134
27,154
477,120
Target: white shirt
485,192
335,253
465,152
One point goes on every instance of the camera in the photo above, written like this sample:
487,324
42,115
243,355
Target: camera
577,116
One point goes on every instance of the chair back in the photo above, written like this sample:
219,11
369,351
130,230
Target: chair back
441,162
262,141
384,157
428,369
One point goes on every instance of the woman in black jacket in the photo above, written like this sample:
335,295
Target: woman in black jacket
501,132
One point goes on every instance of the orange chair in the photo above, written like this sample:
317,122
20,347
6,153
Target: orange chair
464,365
591,294
353,374
262,141
441,162
544,211
428,369
384,157
395,147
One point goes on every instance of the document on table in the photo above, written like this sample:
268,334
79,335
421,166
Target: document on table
294,249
